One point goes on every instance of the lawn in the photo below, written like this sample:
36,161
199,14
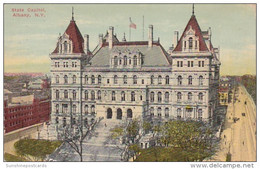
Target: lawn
35,150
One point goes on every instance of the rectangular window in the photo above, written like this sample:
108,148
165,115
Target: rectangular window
64,64
72,64
188,63
191,63
199,63
142,81
181,63
202,63
107,81
178,64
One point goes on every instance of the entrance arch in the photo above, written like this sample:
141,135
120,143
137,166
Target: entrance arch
129,113
119,113
109,113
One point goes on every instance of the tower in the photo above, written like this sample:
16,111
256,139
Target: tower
195,66
67,61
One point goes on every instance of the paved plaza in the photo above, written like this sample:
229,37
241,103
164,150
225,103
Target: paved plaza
97,146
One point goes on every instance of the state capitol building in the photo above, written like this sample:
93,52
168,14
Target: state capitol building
122,80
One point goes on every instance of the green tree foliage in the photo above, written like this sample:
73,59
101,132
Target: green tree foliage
35,150
181,141
249,81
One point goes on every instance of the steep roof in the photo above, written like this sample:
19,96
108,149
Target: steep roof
195,26
75,36
155,56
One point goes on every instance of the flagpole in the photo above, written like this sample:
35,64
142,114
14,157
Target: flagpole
143,27
129,33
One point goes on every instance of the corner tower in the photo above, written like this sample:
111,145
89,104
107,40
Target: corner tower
195,66
67,62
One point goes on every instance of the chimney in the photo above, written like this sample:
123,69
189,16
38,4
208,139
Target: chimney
209,32
150,36
110,37
86,43
175,38
100,37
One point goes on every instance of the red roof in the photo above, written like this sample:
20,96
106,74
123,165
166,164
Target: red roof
76,37
195,26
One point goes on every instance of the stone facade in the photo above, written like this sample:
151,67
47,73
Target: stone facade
124,80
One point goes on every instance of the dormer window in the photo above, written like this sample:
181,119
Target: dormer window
190,43
135,61
65,47
115,61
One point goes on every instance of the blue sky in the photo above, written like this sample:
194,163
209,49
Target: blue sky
28,41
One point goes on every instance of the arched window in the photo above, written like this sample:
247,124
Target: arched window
74,108
93,109
132,96
200,114
74,94
86,79
86,109
92,79
152,96
64,121
167,80
74,79
57,79
166,111
159,97
179,113
113,95
92,95
135,60
99,95
125,79
179,96
189,96
57,92
125,60
167,96
159,112
65,79
200,96
129,113
190,80
57,120
99,79
115,61
86,95
200,80
152,111
65,47
152,79
159,79
179,80
115,79
134,79
66,94
190,43
122,96
57,108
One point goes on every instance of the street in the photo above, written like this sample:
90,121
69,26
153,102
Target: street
239,136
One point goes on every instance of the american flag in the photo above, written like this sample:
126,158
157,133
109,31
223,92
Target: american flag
132,25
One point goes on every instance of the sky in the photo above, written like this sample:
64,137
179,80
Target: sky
28,41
